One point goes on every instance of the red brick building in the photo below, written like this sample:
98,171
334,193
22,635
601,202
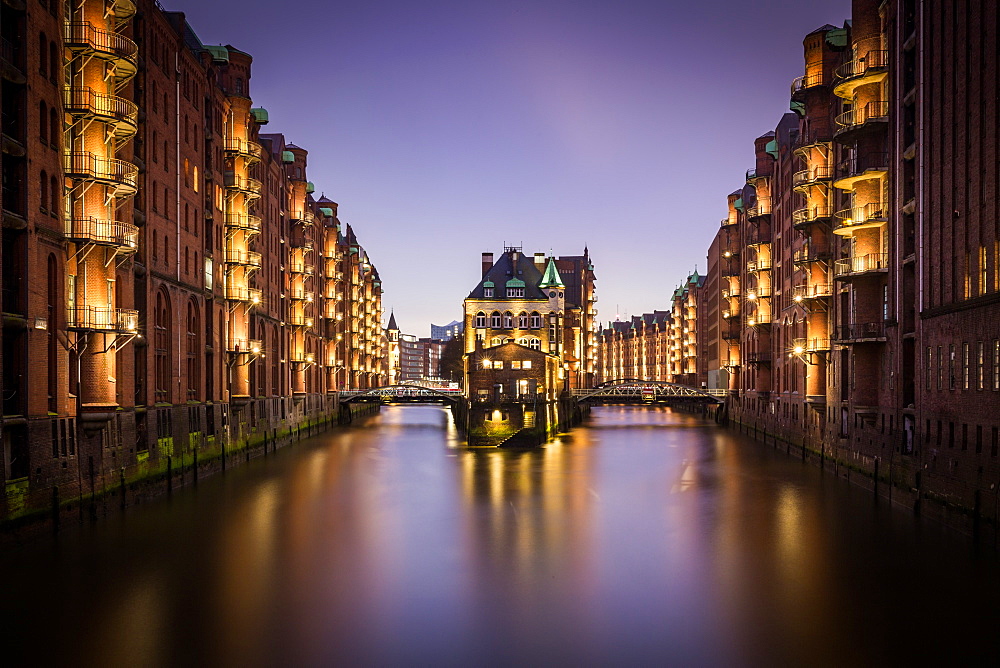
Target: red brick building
165,268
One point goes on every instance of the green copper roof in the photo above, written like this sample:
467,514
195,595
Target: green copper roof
798,107
738,204
772,148
259,115
488,284
515,283
220,54
836,37
550,279
326,211
310,188
287,156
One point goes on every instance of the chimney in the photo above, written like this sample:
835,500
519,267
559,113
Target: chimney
540,261
487,262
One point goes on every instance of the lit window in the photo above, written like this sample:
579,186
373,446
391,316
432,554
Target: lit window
487,364
522,320
508,320
526,364
536,320
535,344
495,320
515,364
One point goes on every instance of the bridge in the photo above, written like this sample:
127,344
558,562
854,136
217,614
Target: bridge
403,393
637,391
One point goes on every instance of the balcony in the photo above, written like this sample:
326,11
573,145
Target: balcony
238,346
102,319
243,184
123,237
810,253
812,141
866,332
759,320
753,176
300,294
730,222
731,252
804,346
812,215
758,292
305,217
239,293
117,174
853,123
868,69
860,218
760,209
861,168
861,265
811,291
806,178
244,148
763,357
804,83
760,264
300,357
244,258
119,51
299,320
243,221
731,313
300,267
732,293
119,114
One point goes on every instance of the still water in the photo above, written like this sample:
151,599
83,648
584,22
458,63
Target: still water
644,537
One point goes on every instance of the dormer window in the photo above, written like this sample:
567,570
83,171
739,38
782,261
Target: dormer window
487,292
515,292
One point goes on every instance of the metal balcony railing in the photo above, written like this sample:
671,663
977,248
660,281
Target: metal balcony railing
859,167
862,264
116,111
758,292
244,184
758,236
244,147
118,174
805,82
761,357
299,320
727,222
868,215
123,236
814,345
300,294
246,258
244,221
759,319
870,63
103,319
760,264
107,45
876,111
810,253
814,175
856,332
810,215
760,208
239,346
811,291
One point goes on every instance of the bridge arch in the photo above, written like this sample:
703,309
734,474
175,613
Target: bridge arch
408,392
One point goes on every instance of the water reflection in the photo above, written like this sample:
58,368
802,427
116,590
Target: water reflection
645,536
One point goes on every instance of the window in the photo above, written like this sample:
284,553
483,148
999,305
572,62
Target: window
515,292
53,63
496,341
43,122
487,292
951,367
940,367
980,366
161,346
480,320
928,366
523,341
996,364
526,364
43,187
965,366
536,320
487,364
515,364
982,270
522,320
193,364
54,131
43,54
156,141
495,320
535,344
508,320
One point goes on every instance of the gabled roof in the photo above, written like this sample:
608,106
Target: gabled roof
551,277
511,266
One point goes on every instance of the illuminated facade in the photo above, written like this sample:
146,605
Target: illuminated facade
165,266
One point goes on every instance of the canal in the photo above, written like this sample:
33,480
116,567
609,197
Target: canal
644,536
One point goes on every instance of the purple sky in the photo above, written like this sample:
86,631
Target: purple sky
446,129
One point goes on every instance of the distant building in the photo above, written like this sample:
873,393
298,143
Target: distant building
452,330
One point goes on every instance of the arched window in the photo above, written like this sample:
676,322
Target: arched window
508,319
536,320
43,54
43,190
535,344
53,62
43,122
55,132
480,320
193,347
161,346
496,341
522,320
523,341
55,197
495,320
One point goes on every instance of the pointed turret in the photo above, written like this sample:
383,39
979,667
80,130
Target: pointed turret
550,279
392,322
